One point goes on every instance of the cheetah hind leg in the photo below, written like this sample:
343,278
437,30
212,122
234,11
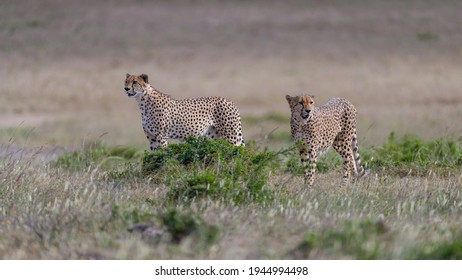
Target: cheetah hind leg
348,164
234,137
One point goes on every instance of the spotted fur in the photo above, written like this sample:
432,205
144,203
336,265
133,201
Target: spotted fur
164,117
319,128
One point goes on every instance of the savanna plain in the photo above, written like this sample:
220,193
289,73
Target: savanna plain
77,183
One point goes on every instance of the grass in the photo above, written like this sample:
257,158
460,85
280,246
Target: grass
208,199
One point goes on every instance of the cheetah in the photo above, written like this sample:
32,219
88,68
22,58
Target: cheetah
164,117
319,128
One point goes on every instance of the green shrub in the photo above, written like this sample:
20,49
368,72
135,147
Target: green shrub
214,168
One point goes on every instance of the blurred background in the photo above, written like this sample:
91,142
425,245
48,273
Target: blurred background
64,64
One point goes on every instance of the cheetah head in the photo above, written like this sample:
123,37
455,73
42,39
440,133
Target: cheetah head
301,106
135,85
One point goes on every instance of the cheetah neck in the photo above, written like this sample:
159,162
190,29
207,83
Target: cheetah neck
148,92
299,126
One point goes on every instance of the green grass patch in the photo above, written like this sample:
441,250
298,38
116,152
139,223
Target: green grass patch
448,250
412,155
369,240
185,224
354,239
96,154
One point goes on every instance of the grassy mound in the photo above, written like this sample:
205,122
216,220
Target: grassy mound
214,169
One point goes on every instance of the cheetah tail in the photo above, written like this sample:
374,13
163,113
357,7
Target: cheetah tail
358,167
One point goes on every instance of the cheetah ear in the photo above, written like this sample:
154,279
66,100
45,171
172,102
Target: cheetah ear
144,77
312,96
128,75
288,98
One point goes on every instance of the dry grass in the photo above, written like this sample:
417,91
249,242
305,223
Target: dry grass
49,213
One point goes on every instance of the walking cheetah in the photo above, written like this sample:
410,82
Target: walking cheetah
164,117
319,128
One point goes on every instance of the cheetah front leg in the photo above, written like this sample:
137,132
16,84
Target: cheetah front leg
156,130
157,137
155,142
308,154
347,157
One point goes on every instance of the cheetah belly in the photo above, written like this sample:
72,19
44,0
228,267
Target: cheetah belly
327,137
182,128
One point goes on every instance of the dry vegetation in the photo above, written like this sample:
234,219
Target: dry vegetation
61,89
97,203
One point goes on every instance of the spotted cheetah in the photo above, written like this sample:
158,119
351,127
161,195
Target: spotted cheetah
319,128
164,117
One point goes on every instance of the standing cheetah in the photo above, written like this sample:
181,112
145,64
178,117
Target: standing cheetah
164,117
319,128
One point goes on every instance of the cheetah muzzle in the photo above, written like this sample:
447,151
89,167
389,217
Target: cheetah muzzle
305,114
